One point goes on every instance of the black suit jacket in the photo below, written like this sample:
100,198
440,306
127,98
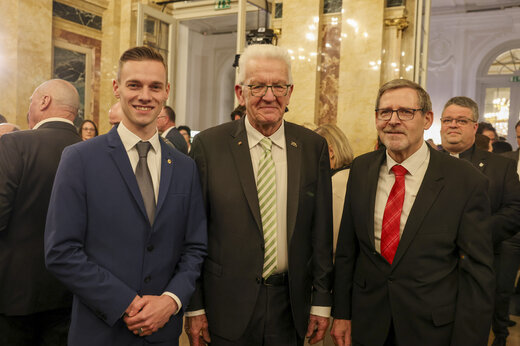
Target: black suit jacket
178,141
504,191
512,155
439,289
28,164
233,269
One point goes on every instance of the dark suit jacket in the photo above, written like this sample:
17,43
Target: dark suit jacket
439,289
504,191
99,242
512,155
28,164
233,269
178,141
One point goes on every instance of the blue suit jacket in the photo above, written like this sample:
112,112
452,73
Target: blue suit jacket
99,242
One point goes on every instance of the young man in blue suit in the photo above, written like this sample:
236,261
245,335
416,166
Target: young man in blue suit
110,237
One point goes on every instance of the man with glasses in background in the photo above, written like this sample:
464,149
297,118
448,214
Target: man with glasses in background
458,129
413,260
267,190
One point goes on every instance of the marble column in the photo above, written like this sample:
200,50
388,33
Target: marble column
300,35
359,76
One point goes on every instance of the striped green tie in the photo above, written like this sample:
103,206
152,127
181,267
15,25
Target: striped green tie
266,185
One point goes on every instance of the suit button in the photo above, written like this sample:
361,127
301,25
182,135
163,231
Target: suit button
149,248
147,279
258,280
390,280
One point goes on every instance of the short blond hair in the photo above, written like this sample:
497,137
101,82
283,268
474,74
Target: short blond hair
335,138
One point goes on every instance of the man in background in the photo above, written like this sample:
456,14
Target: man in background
34,306
185,131
115,114
8,128
166,125
458,129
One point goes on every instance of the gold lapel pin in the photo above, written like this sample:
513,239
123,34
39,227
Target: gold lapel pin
169,161
239,143
294,144
481,165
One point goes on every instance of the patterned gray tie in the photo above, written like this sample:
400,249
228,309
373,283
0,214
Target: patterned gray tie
144,180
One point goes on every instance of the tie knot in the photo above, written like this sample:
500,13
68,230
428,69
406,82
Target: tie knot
266,144
143,148
399,170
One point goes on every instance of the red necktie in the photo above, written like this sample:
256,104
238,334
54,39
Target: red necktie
392,215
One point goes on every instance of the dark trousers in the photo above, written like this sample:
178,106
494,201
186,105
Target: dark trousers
506,267
47,328
271,324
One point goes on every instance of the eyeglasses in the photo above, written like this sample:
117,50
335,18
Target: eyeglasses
459,121
402,113
261,90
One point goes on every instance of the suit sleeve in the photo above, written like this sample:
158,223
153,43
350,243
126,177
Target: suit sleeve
189,266
65,253
476,281
198,154
505,222
346,254
11,168
322,234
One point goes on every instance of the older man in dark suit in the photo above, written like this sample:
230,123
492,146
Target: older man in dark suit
459,125
34,306
414,258
166,125
267,189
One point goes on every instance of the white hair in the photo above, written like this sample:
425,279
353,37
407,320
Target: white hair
263,51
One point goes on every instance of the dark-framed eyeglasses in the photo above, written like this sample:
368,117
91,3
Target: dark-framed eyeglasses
261,90
402,113
459,121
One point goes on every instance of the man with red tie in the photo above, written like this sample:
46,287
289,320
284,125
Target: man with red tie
414,259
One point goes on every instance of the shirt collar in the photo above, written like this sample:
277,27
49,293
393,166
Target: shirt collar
130,139
254,136
413,163
48,120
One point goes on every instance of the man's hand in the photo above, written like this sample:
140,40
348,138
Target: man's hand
341,332
197,330
131,310
317,327
152,313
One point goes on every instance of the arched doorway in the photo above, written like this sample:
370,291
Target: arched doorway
499,89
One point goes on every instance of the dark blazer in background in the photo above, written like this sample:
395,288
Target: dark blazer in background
99,242
232,272
504,191
512,155
439,289
28,164
178,141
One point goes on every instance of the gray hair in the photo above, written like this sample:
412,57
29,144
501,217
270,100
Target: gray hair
463,101
263,51
424,99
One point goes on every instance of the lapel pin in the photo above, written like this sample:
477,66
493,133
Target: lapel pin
239,143
481,165
294,144
169,161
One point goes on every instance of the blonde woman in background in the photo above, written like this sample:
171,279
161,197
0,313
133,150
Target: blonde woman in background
341,156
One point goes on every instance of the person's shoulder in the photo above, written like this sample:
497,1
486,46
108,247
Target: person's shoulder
220,130
302,132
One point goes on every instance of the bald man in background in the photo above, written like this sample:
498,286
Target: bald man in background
115,114
34,306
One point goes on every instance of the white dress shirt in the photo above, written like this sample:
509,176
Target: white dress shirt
416,166
129,140
48,120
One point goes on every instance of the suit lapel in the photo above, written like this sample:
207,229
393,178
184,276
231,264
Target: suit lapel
120,157
293,150
432,184
239,148
372,180
167,166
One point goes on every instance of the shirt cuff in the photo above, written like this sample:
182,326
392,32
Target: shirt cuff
322,311
195,313
177,300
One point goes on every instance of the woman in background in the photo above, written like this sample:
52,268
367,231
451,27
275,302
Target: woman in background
87,130
341,156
